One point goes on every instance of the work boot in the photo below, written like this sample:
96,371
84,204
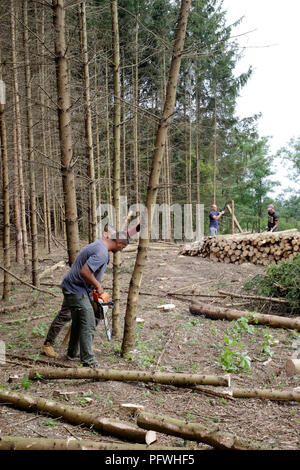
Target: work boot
48,350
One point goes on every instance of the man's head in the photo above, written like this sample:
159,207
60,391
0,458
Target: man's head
213,207
271,208
118,241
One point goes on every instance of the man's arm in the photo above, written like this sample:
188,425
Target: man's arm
89,277
217,217
276,224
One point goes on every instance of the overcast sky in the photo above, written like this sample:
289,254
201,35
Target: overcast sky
272,47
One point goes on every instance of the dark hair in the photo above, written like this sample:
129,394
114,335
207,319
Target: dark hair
120,236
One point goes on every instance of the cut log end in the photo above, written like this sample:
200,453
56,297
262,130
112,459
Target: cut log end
292,367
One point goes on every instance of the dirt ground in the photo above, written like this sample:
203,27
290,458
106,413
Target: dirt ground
169,341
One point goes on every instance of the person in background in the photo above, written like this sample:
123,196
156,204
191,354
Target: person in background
272,219
214,217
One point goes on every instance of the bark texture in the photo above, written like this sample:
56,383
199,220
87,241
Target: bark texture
194,432
75,415
131,375
210,311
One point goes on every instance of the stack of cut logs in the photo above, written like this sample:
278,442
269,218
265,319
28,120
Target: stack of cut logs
260,248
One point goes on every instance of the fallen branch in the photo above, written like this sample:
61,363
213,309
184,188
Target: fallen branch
77,416
255,297
198,308
197,295
194,432
47,271
17,363
71,443
14,308
27,283
170,339
225,394
167,378
43,361
27,319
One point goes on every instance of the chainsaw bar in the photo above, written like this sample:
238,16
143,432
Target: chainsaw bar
101,312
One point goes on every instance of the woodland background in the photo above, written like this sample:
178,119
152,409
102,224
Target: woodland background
211,155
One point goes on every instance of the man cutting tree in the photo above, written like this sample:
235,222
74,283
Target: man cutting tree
84,276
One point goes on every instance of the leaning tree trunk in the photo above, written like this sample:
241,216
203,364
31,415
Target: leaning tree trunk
136,279
5,193
92,210
33,217
65,132
116,328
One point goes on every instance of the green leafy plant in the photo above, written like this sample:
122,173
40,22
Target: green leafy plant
234,361
25,383
50,422
279,280
39,330
266,345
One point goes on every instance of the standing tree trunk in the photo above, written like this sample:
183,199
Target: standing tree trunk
215,153
5,185
19,180
33,218
92,210
65,133
116,330
108,171
160,141
135,79
198,158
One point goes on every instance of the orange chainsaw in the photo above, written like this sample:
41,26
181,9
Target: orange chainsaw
101,304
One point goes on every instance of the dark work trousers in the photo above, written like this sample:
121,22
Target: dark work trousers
62,318
83,328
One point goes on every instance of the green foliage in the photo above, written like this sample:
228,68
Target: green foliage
234,361
279,280
266,345
25,383
232,358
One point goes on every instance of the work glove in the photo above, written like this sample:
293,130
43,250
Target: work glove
222,212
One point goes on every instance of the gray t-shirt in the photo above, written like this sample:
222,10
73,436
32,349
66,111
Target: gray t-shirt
96,256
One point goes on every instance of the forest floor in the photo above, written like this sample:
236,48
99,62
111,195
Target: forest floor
169,341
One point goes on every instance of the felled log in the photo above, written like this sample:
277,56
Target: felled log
77,416
277,395
194,432
222,313
26,443
292,366
166,378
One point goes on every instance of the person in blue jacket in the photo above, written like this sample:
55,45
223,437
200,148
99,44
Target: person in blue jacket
214,217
